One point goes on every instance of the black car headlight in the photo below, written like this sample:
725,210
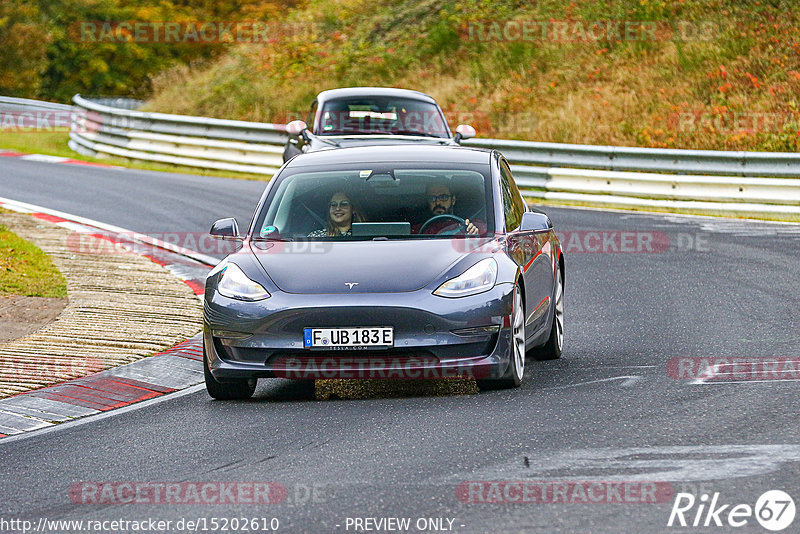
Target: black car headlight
233,283
477,279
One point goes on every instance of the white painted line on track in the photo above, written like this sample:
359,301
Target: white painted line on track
45,158
703,382
75,227
628,380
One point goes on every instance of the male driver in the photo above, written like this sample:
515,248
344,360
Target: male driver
440,202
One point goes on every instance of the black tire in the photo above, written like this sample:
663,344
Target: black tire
512,378
228,390
552,349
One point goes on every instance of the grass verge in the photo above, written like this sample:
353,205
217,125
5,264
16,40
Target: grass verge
718,74
27,271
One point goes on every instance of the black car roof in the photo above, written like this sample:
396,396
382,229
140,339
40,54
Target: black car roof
373,91
393,153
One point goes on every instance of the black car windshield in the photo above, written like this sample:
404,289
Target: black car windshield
381,115
378,201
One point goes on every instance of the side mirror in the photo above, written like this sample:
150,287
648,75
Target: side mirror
294,128
533,221
225,229
464,131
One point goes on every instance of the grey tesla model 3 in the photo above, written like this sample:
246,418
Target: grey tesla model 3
394,262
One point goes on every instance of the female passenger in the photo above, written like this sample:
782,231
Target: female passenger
341,216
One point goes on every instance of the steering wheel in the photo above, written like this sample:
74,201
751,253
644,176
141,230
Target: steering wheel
462,224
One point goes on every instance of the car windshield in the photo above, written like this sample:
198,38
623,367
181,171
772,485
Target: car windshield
382,115
378,201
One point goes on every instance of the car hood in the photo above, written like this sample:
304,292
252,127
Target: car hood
371,140
315,267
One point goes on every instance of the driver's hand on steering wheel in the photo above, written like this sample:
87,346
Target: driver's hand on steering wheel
471,228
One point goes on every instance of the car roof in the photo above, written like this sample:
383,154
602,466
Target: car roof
393,153
373,91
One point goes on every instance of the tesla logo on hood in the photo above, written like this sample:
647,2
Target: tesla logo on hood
351,284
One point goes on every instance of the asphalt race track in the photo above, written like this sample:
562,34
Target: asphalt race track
608,411
142,201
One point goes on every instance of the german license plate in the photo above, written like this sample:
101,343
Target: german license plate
367,336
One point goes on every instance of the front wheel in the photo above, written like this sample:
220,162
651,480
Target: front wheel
551,350
516,366
233,390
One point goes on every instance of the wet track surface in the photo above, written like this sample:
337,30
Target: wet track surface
607,411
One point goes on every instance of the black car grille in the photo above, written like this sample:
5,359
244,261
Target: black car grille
432,354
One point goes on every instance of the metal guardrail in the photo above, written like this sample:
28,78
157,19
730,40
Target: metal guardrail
706,180
673,161
10,103
117,102
203,142
761,196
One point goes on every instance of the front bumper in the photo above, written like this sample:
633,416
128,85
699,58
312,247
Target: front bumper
265,339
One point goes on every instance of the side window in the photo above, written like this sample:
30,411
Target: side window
513,205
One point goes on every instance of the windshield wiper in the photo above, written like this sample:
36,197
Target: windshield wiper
328,141
422,134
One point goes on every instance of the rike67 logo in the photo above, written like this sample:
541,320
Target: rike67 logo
774,510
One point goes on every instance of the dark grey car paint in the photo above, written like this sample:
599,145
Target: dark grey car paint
396,280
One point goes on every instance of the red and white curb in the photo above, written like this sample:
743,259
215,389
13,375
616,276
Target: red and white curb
175,369
52,159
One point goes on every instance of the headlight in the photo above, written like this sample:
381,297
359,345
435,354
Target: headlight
233,283
477,279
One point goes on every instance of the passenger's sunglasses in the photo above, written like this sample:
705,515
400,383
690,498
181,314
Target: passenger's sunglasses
439,198
342,204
